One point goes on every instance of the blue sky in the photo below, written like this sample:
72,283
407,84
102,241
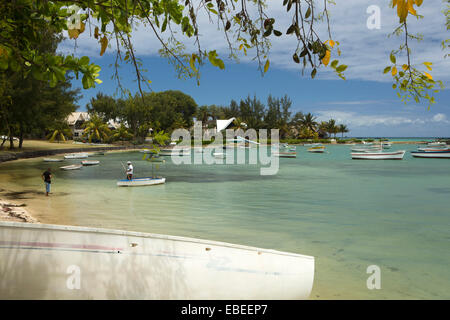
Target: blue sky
366,102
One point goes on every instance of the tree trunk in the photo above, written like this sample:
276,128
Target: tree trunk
11,141
21,137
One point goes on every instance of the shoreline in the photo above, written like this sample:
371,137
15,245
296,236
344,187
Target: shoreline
4,157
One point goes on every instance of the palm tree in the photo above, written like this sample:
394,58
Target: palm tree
309,121
331,127
59,132
96,128
239,124
203,114
343,129
122,134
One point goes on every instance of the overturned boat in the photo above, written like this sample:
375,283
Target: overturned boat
39,261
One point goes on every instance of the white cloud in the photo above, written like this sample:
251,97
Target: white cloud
365,51
440,117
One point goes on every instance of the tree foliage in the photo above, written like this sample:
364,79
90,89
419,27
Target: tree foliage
248,26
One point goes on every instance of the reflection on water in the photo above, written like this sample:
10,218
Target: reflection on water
348,214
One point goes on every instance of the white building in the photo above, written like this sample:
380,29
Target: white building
76,121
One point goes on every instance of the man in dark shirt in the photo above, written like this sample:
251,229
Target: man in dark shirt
47,177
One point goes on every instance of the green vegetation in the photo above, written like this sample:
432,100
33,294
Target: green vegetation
248,28
252,113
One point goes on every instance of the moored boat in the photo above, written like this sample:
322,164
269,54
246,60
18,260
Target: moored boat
90,162
72,167
68,262
139,182
285,154
76,156
443,154
52,160
320,149
395,155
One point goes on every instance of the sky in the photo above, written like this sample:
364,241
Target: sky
365,102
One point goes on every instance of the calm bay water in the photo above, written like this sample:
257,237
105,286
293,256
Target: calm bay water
348,214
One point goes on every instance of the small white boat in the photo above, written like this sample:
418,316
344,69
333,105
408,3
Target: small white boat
92,263
443,154
312,144
317,149
76,156
293,149
436,143
140,182
397,155
72,167
90,162
386,145
52,160
432,149
369,149
285,154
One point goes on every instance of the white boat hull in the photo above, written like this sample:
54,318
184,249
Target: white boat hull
40,261
139,182
72,167
76,156
285,154
90,162
429,154
53,160
398,155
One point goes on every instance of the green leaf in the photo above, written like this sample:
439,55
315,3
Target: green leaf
393,59
313,73
341,68
387,69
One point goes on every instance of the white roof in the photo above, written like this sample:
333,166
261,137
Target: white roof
77,116
223,124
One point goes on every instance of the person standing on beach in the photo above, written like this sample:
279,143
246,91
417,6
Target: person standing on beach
47,177
129,171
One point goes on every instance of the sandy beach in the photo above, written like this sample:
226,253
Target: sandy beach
15,212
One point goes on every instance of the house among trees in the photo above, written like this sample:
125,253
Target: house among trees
76,121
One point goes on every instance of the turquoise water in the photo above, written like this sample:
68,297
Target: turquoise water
348,214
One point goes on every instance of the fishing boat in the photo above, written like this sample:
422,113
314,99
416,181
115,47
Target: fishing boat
90,162
76,156
312,144
445,153
72,167
285,154
140,182
99,153
436,148
436,143
317,149
368,149
379,155
52,160
386,145
43,261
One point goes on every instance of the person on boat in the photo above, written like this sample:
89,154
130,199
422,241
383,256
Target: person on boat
47,177
129,171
